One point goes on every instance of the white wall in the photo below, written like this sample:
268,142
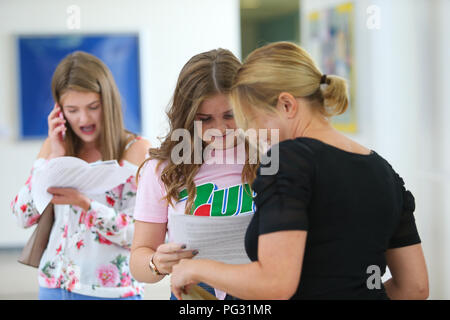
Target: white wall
171,32
403,72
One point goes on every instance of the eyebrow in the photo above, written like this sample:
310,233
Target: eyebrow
207,114
88,105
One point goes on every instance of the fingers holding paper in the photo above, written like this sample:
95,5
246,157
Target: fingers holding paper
69,196
169,254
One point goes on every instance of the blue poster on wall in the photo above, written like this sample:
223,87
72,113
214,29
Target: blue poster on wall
39,57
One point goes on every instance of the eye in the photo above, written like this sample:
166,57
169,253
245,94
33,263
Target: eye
72,110
229,116
94,107
205,119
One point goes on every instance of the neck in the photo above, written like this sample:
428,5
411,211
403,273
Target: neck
89,146
313,127
90,152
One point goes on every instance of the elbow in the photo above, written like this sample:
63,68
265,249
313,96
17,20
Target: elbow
134,269
283,292
413,291
25,224
419,290
422,291
282,289
279,286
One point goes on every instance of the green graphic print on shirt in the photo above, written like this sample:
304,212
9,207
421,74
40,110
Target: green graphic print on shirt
215,202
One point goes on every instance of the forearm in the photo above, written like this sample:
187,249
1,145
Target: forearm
139,265
245,281
114,225
396,292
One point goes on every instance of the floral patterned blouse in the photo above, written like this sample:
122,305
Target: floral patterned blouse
88,251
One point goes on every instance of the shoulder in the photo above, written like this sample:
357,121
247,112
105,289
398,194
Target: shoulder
137,150
288,163
290,155
45,149
302,147
406,195
153,166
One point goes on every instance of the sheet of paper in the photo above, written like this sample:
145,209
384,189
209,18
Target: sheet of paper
71,172
216,238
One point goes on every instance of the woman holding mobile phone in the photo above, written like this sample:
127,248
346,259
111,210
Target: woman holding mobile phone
88,250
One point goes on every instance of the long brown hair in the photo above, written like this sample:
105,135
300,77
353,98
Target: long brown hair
284,66
81,71
203,76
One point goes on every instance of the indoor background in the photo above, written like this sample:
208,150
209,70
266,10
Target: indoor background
395,54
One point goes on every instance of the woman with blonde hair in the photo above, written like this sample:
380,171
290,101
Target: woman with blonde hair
334,215
201,183
88,250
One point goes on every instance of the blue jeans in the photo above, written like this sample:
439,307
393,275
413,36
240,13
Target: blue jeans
202,285
62,294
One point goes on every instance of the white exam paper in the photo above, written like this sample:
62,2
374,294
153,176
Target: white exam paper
216,238
72,172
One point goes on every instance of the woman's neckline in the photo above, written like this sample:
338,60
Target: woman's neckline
372,152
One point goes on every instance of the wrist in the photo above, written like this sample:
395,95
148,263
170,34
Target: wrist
153,267
192,267
85,203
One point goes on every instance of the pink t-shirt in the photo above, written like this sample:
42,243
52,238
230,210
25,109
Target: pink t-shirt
220,191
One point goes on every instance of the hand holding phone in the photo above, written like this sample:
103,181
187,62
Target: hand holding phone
63,133
56,132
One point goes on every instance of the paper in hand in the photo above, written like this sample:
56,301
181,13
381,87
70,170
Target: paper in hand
71,172
216,238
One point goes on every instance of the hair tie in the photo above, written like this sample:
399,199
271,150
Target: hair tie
323,80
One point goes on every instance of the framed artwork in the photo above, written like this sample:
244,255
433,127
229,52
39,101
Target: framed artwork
39,56
330,42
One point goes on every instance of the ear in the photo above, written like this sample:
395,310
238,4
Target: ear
287,105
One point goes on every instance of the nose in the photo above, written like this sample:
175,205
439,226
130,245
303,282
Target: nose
84,118
222,126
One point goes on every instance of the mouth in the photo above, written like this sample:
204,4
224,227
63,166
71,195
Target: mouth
88,129
223,136
224,142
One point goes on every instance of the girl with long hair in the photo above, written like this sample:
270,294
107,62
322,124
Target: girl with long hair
89,246
168,186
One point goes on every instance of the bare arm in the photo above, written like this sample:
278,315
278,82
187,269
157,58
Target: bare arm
275,275
148,240
147,237
409,273
137,152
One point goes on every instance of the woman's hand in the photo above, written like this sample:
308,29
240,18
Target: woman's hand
56,130
182,277
69,196
169,254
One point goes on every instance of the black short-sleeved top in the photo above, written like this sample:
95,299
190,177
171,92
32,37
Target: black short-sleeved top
354,207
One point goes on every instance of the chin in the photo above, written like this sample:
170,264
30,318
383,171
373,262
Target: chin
88,139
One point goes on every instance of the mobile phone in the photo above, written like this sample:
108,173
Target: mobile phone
63,134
